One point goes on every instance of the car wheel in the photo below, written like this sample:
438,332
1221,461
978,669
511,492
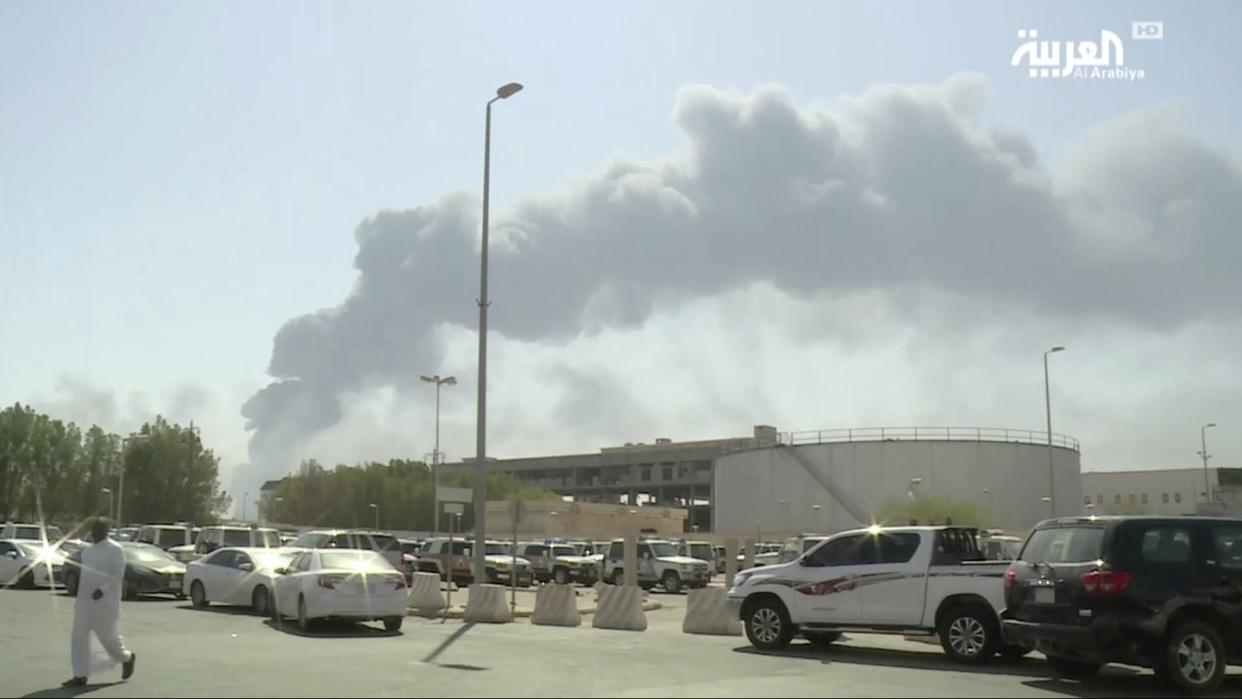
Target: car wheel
71,584
768,626
25,581
1071,669
823,639
304,621
198,595
618,577
490,576
273,609
560,576
261,601
392,624
671,582
1194,658
969,634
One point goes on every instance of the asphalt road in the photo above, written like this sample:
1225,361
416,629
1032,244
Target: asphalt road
226,652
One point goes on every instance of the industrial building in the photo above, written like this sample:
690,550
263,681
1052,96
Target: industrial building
1174,491
824,480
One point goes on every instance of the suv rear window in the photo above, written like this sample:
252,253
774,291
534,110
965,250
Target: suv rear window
1063,545
236,537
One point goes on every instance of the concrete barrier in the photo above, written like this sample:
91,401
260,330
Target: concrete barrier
707,612
425,597
620,607
556,605
488,605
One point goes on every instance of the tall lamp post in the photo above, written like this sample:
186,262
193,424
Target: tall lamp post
110,501
1052,492
480,453
435,455
120,494
1207,489
376,508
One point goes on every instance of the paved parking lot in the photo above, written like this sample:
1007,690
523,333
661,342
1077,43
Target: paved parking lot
226,652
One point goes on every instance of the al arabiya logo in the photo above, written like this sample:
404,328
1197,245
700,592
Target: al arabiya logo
1085,60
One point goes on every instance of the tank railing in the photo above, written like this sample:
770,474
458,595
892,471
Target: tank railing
941,434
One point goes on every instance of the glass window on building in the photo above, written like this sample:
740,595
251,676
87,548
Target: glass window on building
667,473
1132,500
1164,497
1099,499
1144,498
1116,499
645,474
1177,497
1086,499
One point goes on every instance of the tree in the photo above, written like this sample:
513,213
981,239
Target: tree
931,510
402,489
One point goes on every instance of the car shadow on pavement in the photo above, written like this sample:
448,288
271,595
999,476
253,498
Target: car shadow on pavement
1110,684
226,610
68,691
331,629
843,652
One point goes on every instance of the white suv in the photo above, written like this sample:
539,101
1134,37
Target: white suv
658,564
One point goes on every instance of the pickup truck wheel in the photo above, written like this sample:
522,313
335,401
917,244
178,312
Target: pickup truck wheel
1194,658
969,634
671,582
767,623
1071,669
823,639
618,577
561,576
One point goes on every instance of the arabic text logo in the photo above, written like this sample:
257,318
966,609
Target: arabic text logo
1105,59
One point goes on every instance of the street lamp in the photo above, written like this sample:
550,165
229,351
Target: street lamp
435,455
376,508
1052,493
110,503
120,494
245,498
1207,490
480,452
914,484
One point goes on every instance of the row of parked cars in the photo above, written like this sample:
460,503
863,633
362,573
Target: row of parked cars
1163,593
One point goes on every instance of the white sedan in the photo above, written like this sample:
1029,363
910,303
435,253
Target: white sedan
237,576
352,584
30,564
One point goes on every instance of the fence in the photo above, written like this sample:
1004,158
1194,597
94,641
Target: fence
941,434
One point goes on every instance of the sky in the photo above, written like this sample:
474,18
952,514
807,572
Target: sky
706,216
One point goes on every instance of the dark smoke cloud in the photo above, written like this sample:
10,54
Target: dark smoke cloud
899,188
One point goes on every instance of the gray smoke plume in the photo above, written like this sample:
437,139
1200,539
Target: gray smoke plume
899,188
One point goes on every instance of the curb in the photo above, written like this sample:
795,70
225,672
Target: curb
459,613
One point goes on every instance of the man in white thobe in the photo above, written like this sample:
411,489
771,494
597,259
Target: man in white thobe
97,609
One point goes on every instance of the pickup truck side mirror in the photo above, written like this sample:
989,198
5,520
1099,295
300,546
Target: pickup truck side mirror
281,571
11,554
246,567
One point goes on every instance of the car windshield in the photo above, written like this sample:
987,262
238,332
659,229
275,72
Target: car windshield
311,540
498,549
663,549
147,554
701,551
35,533
385,542
173,536
1063,545
266,539
30,550
273,560
353,560
558,551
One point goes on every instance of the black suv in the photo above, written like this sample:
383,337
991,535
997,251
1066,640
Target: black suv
1160,592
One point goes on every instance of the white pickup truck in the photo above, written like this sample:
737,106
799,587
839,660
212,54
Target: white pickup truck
903,580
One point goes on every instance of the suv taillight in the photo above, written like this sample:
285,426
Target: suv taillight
1105,582
1011,578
